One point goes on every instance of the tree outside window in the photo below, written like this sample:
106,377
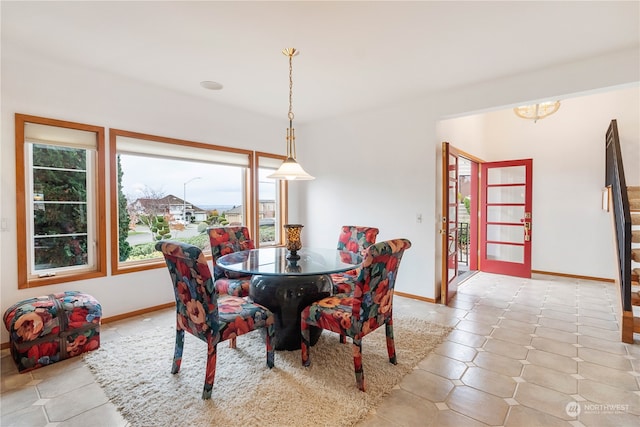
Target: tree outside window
59,201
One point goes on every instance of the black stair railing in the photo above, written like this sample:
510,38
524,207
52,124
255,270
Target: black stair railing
463,243
621,212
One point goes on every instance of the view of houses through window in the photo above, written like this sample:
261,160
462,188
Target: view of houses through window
179,199
176,189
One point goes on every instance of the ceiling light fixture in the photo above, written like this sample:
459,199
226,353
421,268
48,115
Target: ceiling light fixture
537,111
290,169
208,84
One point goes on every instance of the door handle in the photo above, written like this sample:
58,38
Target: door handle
527,231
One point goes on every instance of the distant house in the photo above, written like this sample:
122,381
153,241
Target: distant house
234,215
176,208
180,210
266,210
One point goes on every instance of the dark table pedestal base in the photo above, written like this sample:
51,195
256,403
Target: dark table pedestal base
286,297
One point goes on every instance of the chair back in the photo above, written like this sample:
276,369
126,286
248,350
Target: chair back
355,238
373,293
196,299
226,240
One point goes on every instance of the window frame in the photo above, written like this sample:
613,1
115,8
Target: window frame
133,266
97,209
282,200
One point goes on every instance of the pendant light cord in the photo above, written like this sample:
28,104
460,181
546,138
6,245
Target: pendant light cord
291,132
291,87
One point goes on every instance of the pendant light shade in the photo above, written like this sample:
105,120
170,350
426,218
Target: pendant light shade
290,169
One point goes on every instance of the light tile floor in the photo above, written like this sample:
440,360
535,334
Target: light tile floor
524,352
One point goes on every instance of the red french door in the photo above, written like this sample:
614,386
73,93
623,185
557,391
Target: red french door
452,240
450,250
505,217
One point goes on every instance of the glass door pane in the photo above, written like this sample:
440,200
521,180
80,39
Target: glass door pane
452,219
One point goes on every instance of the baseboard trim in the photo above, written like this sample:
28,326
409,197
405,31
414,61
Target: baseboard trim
123,316
117,317
573,276
137,312
402,294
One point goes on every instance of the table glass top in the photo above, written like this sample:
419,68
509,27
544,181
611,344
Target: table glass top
274,262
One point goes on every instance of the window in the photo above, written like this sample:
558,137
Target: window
160,188
164,188
60,213
271,201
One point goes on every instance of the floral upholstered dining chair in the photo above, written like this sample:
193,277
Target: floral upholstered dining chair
354,239
226,240
370,306
206,315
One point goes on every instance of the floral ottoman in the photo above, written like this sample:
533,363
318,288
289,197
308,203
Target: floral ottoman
52,328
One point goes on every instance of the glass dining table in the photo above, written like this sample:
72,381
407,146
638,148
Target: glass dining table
286,286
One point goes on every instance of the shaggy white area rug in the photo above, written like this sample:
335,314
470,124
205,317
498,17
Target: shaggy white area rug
135,373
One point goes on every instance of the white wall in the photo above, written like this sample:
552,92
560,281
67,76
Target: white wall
571,233
466,133
381,167
374,169
35,87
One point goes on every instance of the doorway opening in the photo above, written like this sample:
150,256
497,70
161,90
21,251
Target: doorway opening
493,236
464,225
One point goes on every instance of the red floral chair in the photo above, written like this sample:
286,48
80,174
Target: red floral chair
353,239
203,313
369,307
226,240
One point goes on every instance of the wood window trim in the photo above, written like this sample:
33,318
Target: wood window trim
135,266
283,187
100,270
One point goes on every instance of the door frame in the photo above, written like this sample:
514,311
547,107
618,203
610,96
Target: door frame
448,285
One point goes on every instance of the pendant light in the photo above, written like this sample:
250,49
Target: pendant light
290,169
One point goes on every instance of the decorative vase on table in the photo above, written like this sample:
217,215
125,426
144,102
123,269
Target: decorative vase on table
294,244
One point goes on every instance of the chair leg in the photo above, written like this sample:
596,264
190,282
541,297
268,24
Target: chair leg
271,330
304,343
210,372
177,353
391,346
357,362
